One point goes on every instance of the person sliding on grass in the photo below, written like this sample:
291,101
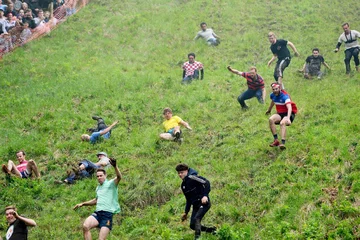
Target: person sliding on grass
196,190
286,110
25,168
101,130
106,202
255,86
191,69
208,34
172,128
312,66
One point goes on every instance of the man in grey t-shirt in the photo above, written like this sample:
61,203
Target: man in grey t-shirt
208,34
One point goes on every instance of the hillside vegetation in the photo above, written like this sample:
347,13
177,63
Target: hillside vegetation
122,60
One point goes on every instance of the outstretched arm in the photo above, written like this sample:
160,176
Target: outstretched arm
326,65
293,48
234,71
185,124
106,130
88,203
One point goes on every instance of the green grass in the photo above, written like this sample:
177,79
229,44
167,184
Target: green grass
122,60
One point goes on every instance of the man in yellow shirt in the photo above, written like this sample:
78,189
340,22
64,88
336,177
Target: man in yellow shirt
172,126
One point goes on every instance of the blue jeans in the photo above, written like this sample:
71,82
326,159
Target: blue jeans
250,93
189,78
86,173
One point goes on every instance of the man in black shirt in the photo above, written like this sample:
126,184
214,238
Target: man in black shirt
281,52
312,65
196,190
17,229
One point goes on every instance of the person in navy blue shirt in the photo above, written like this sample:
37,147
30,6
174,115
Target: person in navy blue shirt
284,116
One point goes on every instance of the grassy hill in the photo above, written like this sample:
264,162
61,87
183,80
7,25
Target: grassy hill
122,60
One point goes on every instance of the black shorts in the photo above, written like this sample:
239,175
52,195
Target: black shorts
104,218
282,115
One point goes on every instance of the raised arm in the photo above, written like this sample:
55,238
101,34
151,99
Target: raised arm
88,203
106,130
117,171
293,48
27,221
234,71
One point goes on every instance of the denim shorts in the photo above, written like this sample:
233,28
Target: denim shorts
104,218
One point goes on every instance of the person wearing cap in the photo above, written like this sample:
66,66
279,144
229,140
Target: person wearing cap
172,126
352,47
280,52
286,110
100,131
87,168
3,7
106,201
196,190
25,169
255,86
17,224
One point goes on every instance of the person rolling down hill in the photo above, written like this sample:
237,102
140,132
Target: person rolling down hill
101,131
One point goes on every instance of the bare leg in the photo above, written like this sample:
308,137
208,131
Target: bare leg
31,167
283,125
166,136
272,120
12,168
89,224
104,231
281,82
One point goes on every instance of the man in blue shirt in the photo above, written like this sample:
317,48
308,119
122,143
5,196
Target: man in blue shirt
106,202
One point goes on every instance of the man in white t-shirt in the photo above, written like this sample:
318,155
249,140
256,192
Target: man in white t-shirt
352,47
208,34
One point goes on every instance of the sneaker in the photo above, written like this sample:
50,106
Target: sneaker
282,146
180,141
177,136
275,143
357,68
5,169
96,117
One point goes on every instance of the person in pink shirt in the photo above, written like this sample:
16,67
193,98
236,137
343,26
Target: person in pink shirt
24,169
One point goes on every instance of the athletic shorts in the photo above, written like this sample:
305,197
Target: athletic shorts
25,174
104,218
282,115
171,131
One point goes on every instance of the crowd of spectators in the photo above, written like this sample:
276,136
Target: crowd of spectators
20,21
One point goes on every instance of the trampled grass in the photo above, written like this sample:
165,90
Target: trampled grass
122,60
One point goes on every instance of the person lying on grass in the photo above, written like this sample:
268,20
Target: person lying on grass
100,131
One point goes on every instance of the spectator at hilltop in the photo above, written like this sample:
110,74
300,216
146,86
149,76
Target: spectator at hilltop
11,10
312,66
40,19
86,168
21,14
28,18
11,21
25,33
47,15
25,169
100,131
3,7
58,3
17,225
191,69
172,126
2,23
255,86
208,34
